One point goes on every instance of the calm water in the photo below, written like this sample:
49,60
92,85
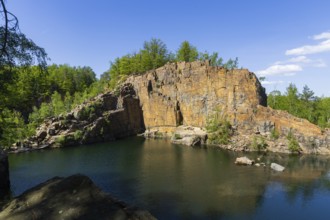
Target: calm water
179,182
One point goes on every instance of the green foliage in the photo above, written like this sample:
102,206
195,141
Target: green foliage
87,112
154,54
186,52
60,140
177,136
19,50
213,58
12,128
65,140
293,144
274,134
219,129
259,143
303,105
78,135
231,64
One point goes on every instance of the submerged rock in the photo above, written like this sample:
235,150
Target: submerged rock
244,161
74,197
277,167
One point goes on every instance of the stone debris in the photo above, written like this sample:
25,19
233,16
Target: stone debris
244,161
277,167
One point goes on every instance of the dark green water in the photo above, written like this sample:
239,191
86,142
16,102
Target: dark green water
179,182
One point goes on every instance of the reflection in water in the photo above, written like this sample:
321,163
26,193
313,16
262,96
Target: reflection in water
174,181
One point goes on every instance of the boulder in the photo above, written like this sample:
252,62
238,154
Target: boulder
189,141
74,197
244,161
190,136
41,135
4,174
277,167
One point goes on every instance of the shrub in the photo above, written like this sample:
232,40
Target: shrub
60,140
293,145
259,143
219,129
78,135
177,136
274,134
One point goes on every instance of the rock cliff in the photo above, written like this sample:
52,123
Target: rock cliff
74,197
177,100
4,174
189,93
104,118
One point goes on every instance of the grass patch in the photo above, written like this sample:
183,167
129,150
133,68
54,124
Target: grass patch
219,129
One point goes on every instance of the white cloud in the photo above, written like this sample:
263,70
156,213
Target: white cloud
277,69
300,59
272,82
324,35
303,61
321,47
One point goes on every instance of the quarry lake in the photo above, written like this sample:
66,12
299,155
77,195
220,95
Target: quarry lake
180,182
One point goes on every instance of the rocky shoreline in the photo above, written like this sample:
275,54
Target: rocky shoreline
176,102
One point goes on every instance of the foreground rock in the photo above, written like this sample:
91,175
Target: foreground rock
244,161
4,174
277,167
74,197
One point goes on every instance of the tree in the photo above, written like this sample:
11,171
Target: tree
13,127
292,97
231,64
213,58
307,94
187,52
154,54
16,49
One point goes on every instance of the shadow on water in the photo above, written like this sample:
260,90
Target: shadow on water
179,182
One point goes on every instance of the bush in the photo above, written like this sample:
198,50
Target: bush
274,134
259,143
60,140
293,145
78,135
219,129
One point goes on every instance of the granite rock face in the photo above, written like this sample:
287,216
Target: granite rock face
4,174
166,101
189,93
74,197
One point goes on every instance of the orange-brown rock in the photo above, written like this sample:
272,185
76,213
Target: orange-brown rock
188,93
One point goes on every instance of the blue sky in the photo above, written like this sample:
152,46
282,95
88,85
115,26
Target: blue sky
283,40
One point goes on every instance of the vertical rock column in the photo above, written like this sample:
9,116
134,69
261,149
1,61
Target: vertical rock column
4,173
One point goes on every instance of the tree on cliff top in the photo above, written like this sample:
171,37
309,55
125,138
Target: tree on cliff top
187,52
